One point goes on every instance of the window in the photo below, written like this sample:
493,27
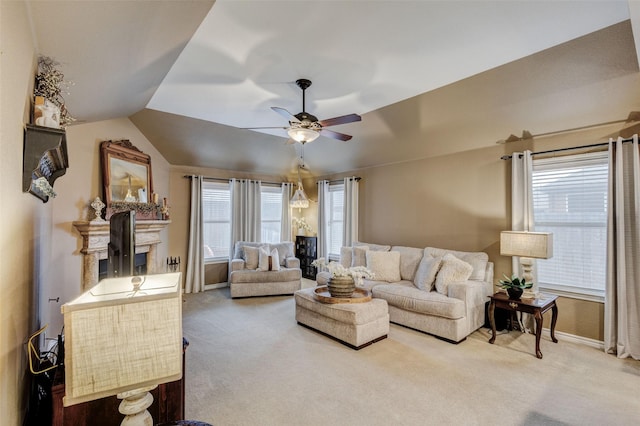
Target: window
570,200
271,212
216,220
335,223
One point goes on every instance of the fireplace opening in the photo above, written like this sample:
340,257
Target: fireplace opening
140,266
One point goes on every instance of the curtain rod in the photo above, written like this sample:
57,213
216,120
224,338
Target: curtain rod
228,179
356,178
595,145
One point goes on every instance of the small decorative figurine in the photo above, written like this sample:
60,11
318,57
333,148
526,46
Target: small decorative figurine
97,206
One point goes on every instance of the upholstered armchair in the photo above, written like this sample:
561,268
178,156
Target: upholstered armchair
261,269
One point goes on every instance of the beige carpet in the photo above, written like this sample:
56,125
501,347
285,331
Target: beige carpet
249,363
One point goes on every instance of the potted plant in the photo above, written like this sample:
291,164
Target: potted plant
342,282
515,286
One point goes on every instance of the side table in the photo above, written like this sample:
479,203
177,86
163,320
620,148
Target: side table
537,307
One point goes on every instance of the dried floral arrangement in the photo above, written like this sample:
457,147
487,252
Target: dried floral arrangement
337,270
301,223
50,85
140,207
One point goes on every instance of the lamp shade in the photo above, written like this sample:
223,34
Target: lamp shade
526,244
123,334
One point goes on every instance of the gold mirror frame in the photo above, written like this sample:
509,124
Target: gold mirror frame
126,173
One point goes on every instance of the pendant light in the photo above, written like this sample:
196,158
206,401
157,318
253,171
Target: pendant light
300,199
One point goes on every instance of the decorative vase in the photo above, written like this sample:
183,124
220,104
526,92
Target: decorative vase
341,286
301,232
514,293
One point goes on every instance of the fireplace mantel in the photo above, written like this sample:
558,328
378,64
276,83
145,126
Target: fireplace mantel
95,239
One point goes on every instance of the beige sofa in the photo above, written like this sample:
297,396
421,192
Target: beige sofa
437,291
246,279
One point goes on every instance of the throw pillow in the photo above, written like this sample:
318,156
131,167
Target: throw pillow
359,256
374,247
478,260
275,260
427,271
263,260
410,258
346,256
284,250
251,256
384,264
268,261
452,270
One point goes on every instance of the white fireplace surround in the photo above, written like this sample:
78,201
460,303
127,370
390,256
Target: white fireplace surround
95,239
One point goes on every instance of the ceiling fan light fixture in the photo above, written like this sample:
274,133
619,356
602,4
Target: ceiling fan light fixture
303,135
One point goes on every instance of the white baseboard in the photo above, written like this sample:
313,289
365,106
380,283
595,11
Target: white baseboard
598,344
214,286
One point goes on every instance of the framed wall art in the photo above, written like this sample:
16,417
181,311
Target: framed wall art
126,175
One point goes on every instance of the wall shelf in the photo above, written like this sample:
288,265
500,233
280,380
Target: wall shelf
44,160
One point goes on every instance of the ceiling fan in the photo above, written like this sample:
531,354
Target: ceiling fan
305,127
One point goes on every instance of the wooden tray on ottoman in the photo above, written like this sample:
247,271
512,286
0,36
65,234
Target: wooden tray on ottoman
360,295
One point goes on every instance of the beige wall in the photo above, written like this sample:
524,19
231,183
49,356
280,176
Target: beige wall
24,218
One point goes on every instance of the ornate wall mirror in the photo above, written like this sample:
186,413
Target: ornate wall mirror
126,174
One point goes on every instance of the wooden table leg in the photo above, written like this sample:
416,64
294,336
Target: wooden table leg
492,321
538,318
554,318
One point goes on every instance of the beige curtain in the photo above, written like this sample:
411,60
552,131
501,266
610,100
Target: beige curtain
622,296
245,211
521,198
522,213
350,228
194,281
285,219
323,217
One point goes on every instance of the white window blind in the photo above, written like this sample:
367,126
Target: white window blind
271,212
335,224
570,200
216,210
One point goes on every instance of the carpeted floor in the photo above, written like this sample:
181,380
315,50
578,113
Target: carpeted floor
250,363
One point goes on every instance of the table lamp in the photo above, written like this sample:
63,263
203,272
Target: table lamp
527,245
124,337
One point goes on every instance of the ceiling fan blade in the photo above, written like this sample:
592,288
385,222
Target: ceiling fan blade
350,118
258,128
335,135
286,114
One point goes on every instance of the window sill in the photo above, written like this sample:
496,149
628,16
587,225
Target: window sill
216,261
591,297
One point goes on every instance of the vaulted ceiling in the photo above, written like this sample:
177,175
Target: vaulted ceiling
428,77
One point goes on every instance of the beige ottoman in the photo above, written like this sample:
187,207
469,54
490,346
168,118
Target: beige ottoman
355,324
